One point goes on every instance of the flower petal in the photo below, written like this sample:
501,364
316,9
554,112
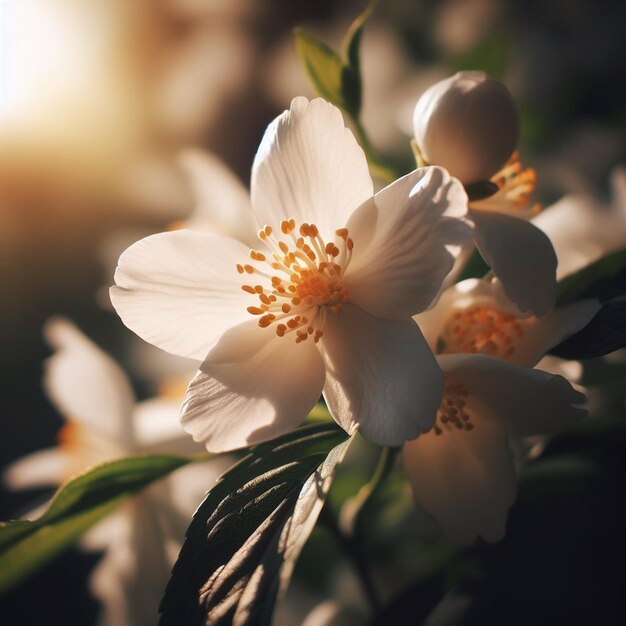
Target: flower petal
381,377
405,241
531,402
521,256
43,468
542,334
158,430
180,290
222,203
464,479
309,167
85,383
582,230
253,386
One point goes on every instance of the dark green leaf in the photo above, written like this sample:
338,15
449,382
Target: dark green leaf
322,65
604,334
603,279
26,546
247,534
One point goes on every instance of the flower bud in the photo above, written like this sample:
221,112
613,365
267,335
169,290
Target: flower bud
468,124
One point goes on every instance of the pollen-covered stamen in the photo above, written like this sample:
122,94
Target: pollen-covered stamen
303,278
452,414
516,186
481,330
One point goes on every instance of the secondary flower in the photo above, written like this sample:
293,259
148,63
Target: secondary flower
103,422
462,469
468,124
582,229
476,317
323,304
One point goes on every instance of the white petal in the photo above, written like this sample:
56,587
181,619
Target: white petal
309,167
43,468
521,256
530,401
571,370
381,377
85,383
158,429
542,334
582,230
253,386
405,241
222,203
180,290
464,479
131,578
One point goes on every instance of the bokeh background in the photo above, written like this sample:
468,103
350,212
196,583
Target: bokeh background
98,97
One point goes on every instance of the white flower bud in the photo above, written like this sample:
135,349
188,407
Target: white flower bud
468,124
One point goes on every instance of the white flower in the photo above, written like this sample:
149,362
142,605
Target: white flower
324,304
468,124
582,230
475,316
103,422
462,470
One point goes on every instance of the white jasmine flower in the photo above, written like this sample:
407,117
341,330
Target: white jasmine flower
323,304
475,317
462,470
468,124
103,422
582,229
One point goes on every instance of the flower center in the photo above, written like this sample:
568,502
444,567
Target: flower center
483,330
302,276
451,414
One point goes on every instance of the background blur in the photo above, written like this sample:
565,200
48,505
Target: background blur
97,98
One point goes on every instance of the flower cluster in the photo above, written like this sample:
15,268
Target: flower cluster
347,295
315,285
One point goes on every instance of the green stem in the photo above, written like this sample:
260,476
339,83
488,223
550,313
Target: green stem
377,165
352,552
362,502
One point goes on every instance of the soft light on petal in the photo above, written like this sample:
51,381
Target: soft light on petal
43,468
521,256
405,242
222,203
309,167
530,402
180,290
158,430
85,383
464,478
381,377
253,386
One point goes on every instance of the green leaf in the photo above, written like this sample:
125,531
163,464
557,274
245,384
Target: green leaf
322,65
244,539
604,334
603,279
25,546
